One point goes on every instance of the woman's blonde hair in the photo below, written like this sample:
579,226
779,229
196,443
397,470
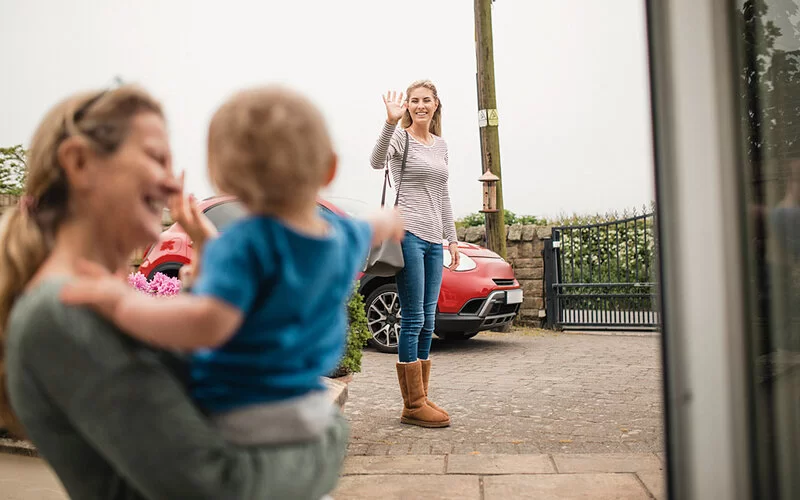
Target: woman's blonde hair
269,147
27,231
436,121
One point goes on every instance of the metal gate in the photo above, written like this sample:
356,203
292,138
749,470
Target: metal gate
602,276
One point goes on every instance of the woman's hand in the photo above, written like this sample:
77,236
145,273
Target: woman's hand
184,211
395,107
455,257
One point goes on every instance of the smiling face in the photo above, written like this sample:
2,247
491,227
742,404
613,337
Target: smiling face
422,104
124,193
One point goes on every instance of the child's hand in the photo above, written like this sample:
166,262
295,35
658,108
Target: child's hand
398,226
96,288
387,224
186,275
184,211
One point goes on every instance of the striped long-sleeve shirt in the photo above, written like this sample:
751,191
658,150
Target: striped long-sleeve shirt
424,201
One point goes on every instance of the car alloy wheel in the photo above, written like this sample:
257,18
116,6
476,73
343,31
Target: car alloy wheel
383,318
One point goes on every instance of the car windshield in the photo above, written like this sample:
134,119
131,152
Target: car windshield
229,211
223,214
351,206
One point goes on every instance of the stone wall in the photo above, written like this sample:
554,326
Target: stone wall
525,245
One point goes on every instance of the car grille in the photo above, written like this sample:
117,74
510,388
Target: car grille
503,282
472,307
499,308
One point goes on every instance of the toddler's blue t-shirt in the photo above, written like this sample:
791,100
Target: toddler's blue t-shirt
292,290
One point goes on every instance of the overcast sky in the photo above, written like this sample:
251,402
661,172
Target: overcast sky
572,81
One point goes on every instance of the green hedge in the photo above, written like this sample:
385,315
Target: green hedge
509,217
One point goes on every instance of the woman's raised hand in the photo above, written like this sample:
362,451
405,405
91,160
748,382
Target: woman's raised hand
395,106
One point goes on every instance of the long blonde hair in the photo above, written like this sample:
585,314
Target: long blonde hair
27,231
436,121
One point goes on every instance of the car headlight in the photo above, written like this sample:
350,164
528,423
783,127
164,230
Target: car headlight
465,263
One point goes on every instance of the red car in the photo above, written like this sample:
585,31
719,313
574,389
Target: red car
482,294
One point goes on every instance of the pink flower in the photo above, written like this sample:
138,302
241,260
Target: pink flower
161,285
164,286
139,282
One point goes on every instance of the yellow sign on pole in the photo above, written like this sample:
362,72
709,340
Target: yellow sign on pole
492,117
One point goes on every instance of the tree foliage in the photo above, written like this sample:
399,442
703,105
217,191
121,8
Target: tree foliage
12,170
770,84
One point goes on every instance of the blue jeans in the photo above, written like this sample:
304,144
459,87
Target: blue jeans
418,287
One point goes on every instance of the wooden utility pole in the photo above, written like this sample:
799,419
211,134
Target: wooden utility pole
488,121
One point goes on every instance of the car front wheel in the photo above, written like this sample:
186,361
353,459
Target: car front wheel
383,318
171,270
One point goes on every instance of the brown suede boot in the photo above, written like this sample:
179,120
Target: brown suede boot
415,411
426,377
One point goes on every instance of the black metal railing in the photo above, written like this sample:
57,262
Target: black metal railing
603,275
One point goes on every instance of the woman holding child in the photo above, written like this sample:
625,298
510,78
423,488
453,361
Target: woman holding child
424,203
107,412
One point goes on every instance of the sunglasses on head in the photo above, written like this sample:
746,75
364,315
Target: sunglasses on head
81,112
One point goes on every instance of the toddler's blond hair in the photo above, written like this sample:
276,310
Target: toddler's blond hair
269,147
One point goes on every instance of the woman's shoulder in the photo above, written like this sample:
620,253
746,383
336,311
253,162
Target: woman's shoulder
39,304
40,317
399,135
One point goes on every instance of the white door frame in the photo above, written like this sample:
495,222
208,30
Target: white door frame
699,206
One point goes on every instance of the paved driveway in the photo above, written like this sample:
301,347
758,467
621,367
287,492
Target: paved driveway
523,392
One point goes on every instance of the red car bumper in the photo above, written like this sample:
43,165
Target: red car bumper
482,299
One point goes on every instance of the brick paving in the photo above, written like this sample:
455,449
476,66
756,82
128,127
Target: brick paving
524,392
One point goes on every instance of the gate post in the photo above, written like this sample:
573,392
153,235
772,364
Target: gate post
550,273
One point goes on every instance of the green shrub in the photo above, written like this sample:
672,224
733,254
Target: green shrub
563,219
471,220
509,217
529,220
357,335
